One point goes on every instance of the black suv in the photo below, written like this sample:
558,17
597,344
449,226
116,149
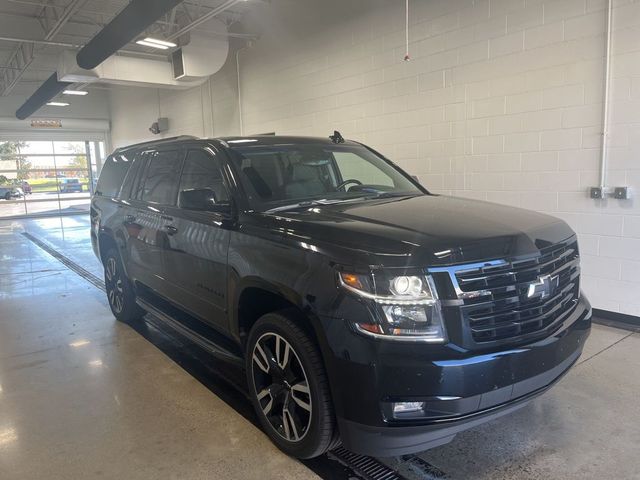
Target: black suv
363,308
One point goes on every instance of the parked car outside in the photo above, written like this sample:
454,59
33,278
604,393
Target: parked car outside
7,192
362,308
69,185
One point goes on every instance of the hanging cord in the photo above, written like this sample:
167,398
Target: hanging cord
406,56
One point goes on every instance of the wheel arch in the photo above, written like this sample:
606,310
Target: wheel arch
256,297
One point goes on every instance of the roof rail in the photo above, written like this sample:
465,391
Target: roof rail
155,142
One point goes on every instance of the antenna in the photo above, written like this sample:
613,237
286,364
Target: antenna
336,137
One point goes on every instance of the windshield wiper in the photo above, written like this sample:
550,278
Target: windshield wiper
390,195
304,204
327,201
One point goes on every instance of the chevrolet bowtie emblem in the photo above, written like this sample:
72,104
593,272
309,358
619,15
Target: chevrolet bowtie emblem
544,287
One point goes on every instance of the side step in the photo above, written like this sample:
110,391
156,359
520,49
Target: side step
211,347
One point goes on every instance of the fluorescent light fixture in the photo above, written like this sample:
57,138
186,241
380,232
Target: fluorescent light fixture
79,343
157,41
154,45
75,92
58,104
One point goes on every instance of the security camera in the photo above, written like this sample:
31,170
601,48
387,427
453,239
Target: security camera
162,125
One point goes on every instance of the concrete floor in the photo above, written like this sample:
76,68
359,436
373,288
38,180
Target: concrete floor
82,396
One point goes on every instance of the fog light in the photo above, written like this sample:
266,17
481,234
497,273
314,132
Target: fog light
408,409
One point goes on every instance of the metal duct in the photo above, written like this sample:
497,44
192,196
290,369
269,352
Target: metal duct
49,89
129,23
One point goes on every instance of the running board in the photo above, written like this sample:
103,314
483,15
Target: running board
203,342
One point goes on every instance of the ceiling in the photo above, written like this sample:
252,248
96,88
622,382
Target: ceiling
51,26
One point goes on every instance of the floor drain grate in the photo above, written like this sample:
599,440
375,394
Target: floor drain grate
422,468
367,467
67,262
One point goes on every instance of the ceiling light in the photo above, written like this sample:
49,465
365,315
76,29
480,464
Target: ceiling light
157,41
149,44
58,104
80,343
75,92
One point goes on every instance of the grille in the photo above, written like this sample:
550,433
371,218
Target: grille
498,301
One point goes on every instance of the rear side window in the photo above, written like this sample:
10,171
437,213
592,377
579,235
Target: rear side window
132,175
162,177
113,172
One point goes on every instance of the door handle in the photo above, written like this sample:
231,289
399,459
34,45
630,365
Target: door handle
170,229
129,219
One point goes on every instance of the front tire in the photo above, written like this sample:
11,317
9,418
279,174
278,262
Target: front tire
120,292
289,388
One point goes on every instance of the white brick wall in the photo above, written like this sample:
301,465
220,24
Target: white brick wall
502,101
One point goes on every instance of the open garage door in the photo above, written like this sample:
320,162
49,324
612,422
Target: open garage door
48,177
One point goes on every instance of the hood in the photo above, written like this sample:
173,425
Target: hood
423,231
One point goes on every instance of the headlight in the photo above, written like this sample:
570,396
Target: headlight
407,305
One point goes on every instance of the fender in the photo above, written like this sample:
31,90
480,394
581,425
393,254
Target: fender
237,286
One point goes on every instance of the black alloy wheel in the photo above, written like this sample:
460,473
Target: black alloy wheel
288,386
120,293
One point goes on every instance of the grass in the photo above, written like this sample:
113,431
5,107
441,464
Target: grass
51,185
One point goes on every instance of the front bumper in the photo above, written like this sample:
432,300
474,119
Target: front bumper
461,389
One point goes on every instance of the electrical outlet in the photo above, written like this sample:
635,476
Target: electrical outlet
596,192
622,193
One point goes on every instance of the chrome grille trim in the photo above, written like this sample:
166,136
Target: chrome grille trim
492,300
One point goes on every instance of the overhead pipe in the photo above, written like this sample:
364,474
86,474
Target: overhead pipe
132,20
49,89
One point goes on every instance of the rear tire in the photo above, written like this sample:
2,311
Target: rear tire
289,388
7,196
120,292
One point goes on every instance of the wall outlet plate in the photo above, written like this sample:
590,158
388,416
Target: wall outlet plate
596,192
622,193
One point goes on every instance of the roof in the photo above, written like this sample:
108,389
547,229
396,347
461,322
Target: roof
254,140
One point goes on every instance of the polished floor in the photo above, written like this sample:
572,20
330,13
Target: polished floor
83,397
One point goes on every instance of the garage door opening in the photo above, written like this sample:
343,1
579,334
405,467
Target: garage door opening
48,177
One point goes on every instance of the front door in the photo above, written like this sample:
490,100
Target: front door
196,253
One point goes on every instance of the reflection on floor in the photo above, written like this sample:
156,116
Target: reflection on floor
82,396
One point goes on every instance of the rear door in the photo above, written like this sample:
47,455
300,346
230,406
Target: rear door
196,257
146,220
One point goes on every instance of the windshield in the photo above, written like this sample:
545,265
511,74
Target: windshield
275,176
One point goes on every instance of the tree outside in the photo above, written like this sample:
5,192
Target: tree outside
11,152
78,162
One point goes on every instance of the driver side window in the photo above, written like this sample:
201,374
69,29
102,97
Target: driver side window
353,166
202,179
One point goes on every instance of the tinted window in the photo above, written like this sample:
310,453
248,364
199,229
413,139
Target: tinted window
130,179
202,171
161,178
113,172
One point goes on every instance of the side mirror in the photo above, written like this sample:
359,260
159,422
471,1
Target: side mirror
203,199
